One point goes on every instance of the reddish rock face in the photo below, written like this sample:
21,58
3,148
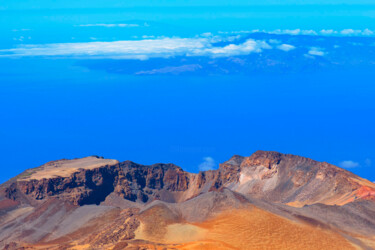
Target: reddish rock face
129,180
271,175
131,196
263,158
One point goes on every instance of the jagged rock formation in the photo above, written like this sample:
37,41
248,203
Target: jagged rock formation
140,205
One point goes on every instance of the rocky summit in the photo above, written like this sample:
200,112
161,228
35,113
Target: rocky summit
268,200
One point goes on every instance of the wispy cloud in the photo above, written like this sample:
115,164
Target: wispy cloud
286,47
171,70
207,164
250,46
139,49
314,51
18,30
110,25
21,38
323,32
351,32
294,32
349,164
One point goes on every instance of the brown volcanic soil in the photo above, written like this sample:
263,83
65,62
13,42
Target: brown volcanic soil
265,201
257,229
248,227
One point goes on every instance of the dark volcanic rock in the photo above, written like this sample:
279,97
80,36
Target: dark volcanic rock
132,181
69,201
269,175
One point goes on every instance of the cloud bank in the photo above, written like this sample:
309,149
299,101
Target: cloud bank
205,45
139,49
323,32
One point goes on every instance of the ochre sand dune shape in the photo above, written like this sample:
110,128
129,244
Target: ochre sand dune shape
250,228
268,200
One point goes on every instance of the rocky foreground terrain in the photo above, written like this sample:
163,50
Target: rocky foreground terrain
268,200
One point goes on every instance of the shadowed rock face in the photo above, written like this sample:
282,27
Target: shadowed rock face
291,186
129,180
268,175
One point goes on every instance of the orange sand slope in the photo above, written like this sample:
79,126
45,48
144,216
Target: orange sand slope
250,229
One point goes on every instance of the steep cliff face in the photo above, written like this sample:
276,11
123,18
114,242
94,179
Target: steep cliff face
89,186
83,187
277,177
136,182
128,180
99,203
297,181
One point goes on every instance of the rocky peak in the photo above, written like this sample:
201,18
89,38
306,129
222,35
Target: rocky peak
229,170
263,158
235,160
279,177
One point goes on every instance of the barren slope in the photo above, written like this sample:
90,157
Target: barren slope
267,200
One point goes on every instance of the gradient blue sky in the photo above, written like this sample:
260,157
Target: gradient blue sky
187,82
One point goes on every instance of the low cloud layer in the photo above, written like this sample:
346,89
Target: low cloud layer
140,49
205,45
323,32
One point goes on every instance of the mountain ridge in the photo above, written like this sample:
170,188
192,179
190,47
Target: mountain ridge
258,171
147,205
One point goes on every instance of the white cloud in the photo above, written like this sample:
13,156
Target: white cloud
139,49
21,38
109,25
17,30
250,46
328,32
147,37
348,164
289,32
286,47
274,41
292,32
316,52
368,32
207,164
350,32
295,32
207,34
132,49
217,38
309,32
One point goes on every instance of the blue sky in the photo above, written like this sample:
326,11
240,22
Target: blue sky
187,82
30,4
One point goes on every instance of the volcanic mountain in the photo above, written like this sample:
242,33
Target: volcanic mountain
268,200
